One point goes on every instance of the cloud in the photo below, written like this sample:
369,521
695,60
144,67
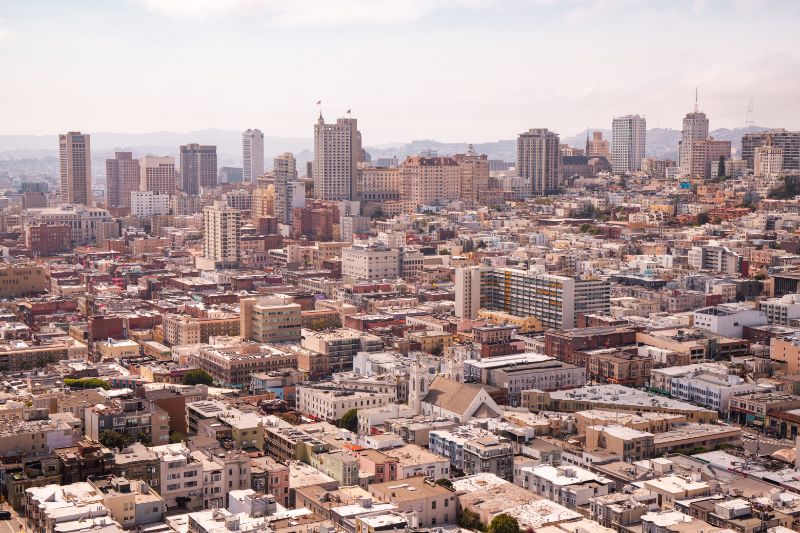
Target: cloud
5,33
311,13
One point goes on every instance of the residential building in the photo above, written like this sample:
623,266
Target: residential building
132,416
285,170
370,263
628,139
273,318
328,402
435,505
707,154
158,174
570,486
221,232
181,483
728,320
232,365
781,310
597,146
430,180
695,128
539,160
84,221
75,168
148,203
788,141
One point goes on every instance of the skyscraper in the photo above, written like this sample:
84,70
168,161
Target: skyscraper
539,160
198,167
285,169
252,155
158,174
337,151
695,128
122,178
75,160
628,138
221,230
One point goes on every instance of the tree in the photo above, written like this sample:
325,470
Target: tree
86,383
444,482
114,439
197,376
469,520
444,251
721,169
468,246
702,219
175,437
503,523
349,420
145,439
481,244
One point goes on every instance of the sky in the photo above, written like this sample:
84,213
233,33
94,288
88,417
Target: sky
450,70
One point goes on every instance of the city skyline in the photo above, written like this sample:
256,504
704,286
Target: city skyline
403,72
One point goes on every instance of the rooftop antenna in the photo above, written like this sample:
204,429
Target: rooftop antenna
695,100
749,122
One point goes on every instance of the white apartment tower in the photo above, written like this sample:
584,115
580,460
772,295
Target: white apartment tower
252,155
285,170
75,161
221,229
628,137
337,152
539,160
468,292
157,174
695,128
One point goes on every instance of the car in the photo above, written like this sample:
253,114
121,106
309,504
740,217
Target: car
5,515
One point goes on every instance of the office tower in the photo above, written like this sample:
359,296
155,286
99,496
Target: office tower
555,300
221,228
628,137
337,152
122,178
285,170
539,160
597,146
75,159
706,153
474,180
695,128
768,159
198,168
788,141
157,174
252,155
430,180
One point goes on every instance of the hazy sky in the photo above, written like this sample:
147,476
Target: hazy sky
453,70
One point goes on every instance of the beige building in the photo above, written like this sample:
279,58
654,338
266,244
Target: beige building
474,180
233,365
707,153
370,263
630,444
435,505
597,146
337,152
285,170
221,229
181,330
430,180
273,318
379,184
328,402
788,351
122,178
157,174
695,128
768,159
113,349
75,163
539,160
670,489
181,480
22,280
263,202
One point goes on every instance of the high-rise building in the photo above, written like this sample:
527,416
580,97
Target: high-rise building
122,178
221,230
285,170
555,300
628,138
252,155
707,153
788,141
198,168
597,146
474,179
430,180
539,160
157,174
695,128
768,159
75,160
337,152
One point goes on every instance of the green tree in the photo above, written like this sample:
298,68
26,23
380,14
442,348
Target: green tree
114,439
175,437
444,482
145,439
444,251
702,219
467,246
197,376
349,420
469,520
86,383
721,169
503,523
585,227
481,244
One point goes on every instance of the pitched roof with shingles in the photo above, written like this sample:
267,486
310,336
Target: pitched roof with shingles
451,395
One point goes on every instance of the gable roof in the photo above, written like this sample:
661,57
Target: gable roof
451,395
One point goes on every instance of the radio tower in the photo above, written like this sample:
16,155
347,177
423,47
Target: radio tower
749,122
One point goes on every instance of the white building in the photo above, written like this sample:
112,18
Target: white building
570,486
468,292
252,155
370,263
181,476
728,320
628,136
221,227
149,203
709,389
332,402
781,310
84,221
157,174
75,165
337,151
695,128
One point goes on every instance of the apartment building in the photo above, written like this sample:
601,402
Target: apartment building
129,415
181,483
233,365
430,180
85,222
222,472
330,403
185,329
570,486
379,184
539,160
337,152
434,505
628,139
371,263
122,177
198,168
273,318
157,175
149,203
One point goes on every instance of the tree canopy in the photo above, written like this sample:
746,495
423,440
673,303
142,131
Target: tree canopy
503,523
349,420
114,439
197,376
444,482
86,383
